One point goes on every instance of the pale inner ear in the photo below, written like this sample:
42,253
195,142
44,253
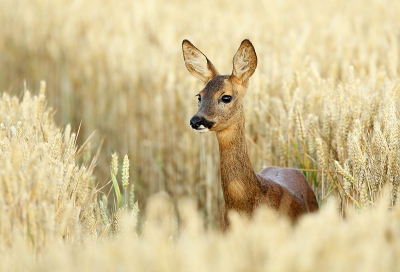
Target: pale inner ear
244,62
197,63
241,64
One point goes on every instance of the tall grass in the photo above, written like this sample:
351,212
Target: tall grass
324,89
324,98
48,194
45,196
367,241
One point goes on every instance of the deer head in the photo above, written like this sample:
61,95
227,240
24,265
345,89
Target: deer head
221,99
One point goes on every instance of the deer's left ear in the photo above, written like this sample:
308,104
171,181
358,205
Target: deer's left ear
244,63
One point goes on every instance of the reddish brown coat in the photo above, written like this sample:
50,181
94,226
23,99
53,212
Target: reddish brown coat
221,110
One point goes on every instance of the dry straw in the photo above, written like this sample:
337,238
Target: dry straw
324,98
47,196
322,66
43,190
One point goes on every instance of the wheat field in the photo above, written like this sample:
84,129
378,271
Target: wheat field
324,99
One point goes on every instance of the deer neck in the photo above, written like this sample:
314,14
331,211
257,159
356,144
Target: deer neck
239,182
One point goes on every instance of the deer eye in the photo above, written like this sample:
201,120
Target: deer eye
226,98
198,97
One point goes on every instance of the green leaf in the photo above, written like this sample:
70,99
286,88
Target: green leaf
116,190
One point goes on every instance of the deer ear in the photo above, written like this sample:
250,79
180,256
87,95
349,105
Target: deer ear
197,63
244,63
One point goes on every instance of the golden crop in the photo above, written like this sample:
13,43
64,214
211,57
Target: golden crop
324,98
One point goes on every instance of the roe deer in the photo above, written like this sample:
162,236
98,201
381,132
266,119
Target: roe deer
221,110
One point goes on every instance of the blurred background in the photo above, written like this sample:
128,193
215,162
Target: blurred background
116,68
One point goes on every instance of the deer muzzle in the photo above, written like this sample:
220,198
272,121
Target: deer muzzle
200,124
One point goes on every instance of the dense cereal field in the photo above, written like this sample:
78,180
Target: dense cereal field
82,80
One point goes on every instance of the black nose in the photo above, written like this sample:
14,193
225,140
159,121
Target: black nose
195,122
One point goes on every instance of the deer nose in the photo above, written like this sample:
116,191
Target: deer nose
195,122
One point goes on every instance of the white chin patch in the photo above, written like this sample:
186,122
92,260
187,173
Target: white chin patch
201,129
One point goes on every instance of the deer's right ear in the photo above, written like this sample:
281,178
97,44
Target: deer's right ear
197,63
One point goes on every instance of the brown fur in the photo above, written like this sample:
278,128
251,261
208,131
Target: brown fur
284,190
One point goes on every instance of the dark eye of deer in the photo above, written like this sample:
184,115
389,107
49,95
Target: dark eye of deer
226,98
198,97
